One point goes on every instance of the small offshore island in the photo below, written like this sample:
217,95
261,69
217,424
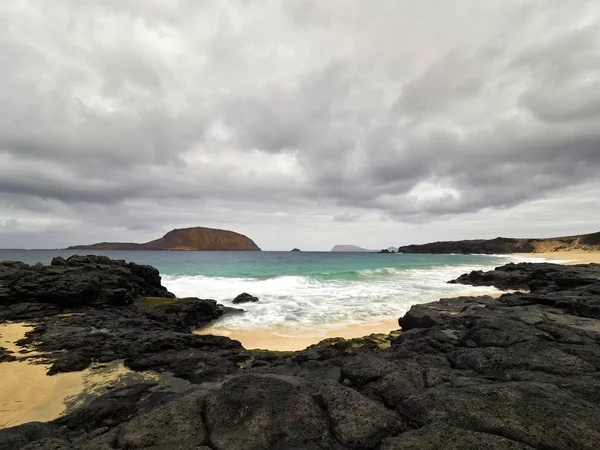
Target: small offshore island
190,239
518,372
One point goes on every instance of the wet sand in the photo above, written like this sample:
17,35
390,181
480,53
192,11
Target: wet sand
28,394
569,257
287,340
292,340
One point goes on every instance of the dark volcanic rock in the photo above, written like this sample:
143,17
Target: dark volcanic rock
537,277
258,412
6,355
244,298
71,342
104,325
27,311
537,414
177,421
18,437
439,436
108,410
188,313
518,372
79,281
357,421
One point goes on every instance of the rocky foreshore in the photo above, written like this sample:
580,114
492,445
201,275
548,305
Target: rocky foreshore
518,372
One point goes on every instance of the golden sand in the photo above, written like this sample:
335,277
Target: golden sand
286,340
28,394
571,256
292,340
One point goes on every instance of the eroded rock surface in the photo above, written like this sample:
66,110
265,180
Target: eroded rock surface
518,372
78,281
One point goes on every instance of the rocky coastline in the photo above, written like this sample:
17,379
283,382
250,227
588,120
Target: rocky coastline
518,372
501,245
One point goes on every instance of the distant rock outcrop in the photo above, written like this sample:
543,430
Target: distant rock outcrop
196,238
350,248
584,242
296,250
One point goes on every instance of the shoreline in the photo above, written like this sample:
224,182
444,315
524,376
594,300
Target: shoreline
568,257
28,394
285,340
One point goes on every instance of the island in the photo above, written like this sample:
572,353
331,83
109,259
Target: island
501,245
195,238
350,248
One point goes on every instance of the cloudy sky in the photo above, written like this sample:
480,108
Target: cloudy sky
299,123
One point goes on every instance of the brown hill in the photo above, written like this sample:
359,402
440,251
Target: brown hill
197,238
586,242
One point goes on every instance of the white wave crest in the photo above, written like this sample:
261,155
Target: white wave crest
297,302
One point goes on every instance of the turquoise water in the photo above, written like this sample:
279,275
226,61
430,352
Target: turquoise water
303,290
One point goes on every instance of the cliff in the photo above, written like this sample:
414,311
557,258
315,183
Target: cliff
197,238
586,242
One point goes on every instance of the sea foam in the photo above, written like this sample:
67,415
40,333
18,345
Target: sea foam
313,302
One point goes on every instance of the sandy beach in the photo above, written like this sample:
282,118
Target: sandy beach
27,394
286,340
569,257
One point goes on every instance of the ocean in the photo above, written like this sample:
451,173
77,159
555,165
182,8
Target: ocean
303,290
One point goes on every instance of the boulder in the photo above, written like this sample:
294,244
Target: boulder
252,412
244,297
356,421
537,414
176,422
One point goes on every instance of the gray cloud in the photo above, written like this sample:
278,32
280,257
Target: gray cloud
130,118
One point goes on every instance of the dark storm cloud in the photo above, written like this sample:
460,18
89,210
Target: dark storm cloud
156,112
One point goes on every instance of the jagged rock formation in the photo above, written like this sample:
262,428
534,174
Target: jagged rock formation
197,238
500,245
78,281
518,372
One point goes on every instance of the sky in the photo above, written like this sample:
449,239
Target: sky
298,123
